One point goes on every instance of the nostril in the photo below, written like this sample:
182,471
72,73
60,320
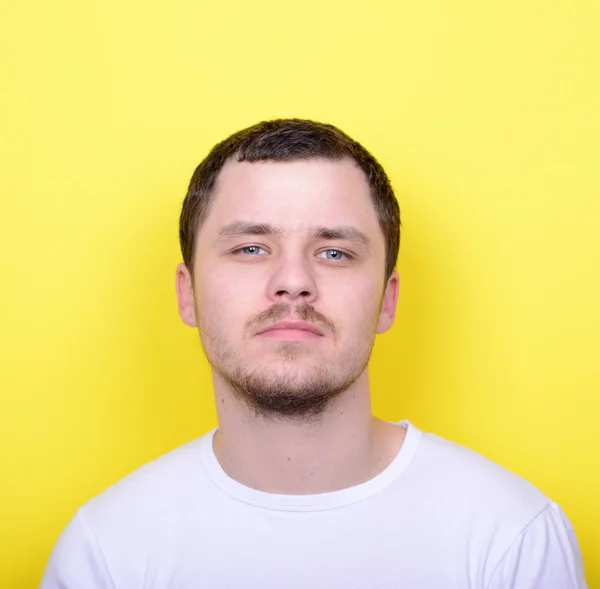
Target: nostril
304,294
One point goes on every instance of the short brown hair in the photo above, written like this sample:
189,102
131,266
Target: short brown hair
285,140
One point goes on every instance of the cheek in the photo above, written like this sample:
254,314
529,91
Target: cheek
213,285
364,294
223,302
355,306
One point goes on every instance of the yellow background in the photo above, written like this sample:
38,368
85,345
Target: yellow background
485,114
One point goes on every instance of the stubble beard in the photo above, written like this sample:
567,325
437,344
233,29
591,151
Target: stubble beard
299,386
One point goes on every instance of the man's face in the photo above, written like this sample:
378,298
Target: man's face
289,242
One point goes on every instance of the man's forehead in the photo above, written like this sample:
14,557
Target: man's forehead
326,187
309,197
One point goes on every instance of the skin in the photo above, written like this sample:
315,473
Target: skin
293,408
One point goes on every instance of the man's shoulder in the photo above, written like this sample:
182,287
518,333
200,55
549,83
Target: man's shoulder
163,483
481,486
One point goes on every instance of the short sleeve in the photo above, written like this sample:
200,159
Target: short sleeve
545,555
76,561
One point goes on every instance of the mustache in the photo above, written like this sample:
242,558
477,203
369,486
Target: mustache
280,311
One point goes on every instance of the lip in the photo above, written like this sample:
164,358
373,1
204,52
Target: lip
291,326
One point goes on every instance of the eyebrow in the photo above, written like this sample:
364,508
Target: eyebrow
240,228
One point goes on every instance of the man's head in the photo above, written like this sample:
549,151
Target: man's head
289,220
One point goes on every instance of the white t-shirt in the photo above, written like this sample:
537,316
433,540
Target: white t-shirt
440,516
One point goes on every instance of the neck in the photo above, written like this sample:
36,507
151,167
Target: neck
345,447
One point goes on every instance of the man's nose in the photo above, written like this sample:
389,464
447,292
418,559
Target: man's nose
293,281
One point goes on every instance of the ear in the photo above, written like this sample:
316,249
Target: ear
389,303
185,295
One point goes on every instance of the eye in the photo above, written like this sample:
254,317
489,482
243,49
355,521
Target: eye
249,250
336,255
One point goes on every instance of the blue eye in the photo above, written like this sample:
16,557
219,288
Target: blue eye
249,250
336,255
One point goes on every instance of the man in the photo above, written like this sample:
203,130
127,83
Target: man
289,234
